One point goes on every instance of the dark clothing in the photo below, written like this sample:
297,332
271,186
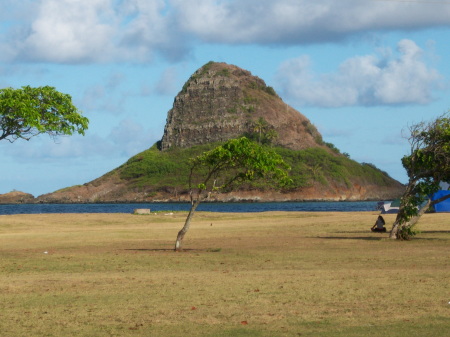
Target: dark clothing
379,225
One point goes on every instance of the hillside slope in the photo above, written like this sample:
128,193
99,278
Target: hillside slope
220,102
16,197
155,175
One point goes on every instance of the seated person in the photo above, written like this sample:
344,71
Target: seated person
379,225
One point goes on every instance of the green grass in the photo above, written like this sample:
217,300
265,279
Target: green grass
263,274
160,170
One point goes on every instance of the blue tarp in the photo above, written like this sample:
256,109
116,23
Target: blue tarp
443,206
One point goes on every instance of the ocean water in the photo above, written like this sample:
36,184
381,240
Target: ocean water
343,206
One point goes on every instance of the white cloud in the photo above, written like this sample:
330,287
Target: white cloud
149,28
407,79
71,31
87,31
390,79
301,21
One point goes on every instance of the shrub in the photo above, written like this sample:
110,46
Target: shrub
155,170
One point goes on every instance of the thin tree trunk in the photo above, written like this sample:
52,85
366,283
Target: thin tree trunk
186,226
394,231
411,222
396,225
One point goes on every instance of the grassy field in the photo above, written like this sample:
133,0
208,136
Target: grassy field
261,274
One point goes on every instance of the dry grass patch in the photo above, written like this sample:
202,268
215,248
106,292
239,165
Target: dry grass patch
254,274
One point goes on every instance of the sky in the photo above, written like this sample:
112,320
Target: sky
362,71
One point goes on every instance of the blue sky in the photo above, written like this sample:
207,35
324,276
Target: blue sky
360,70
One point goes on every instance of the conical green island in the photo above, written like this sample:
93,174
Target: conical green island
220,102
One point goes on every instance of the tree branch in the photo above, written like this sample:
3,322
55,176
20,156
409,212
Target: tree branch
437,201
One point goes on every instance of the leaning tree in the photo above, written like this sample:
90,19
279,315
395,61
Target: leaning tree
227,166
28,112
427,166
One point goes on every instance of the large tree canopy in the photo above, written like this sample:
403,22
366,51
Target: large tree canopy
227,166
28,112
427,166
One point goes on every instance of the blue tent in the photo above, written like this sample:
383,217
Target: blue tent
443,206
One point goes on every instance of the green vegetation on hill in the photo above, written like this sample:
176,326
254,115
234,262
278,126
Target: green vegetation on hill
155,170
159,169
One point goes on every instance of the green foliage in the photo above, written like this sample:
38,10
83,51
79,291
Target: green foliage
430,151
411,203
153,170
267,89
407,232
28,112
318,138
232,110
318,165
223,72
311,129
228,166
332,147
249,99
270,91
156,170
262,132
207,66
427,165
248,108
235,162
371,166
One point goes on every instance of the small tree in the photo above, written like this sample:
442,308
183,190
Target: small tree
228,166
426,166
28,112
262,132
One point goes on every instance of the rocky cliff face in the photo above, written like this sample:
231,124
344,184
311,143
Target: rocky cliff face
222,101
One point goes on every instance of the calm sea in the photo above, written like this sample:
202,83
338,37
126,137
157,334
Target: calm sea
342,206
